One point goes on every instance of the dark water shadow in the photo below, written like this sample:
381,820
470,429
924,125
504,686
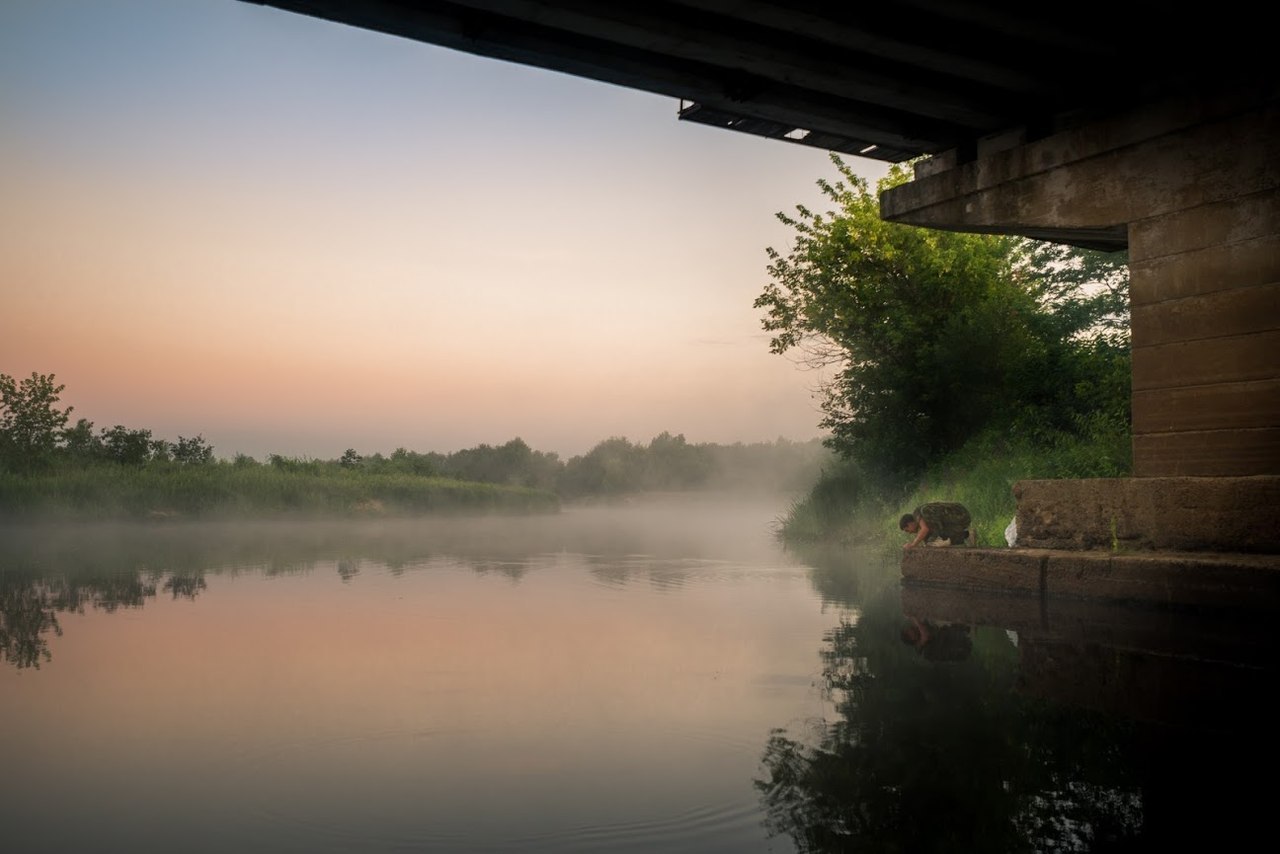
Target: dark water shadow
1031,726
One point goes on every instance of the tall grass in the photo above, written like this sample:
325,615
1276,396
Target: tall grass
229,491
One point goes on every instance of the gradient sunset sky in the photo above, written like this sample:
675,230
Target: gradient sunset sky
296,237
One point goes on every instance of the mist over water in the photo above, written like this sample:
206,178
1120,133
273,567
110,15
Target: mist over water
599,679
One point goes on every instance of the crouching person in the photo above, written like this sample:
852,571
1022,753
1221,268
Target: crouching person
938,523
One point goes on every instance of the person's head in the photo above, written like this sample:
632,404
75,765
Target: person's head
912,634
908,523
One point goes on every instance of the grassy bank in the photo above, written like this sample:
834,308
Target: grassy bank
845,509
226,491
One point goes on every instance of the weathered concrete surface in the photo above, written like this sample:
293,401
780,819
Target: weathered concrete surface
1159,578
1152,162
1209,514
993,570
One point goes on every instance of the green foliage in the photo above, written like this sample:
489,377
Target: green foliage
231,490
669,462
612,467
191,452
160,451
842,507
413,462
935,336
127,447
80,444
296,465
513,463
83,468
980,476
404,461
31,424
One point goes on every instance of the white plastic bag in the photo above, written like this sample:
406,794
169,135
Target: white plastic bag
1011,532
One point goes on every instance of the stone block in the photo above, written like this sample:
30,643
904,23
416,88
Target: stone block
1215,514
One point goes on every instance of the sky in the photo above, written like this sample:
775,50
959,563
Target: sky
295,237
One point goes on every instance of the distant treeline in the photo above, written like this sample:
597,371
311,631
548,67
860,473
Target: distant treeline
51,467
615,466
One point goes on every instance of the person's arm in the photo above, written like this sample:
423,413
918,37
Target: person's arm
922,531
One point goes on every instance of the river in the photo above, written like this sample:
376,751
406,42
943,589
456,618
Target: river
657,675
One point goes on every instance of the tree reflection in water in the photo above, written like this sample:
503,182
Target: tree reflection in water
29,605
27,618
49,571
943,755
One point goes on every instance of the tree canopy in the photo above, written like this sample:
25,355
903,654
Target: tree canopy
31,423
934,336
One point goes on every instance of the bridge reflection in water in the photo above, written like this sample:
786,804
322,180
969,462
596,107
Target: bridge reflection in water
1190,684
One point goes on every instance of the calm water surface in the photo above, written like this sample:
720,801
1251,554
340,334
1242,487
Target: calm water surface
657,676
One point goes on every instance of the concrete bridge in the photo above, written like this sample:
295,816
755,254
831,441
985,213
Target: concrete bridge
1133,126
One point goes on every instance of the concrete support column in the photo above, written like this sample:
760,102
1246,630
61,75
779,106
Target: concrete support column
1205,299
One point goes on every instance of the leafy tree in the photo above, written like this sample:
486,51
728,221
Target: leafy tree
1083,297
80,444
934,335
672,463
513,463
31,424
612,467
413,462
243,461
350,459
159,451
127,447
191,452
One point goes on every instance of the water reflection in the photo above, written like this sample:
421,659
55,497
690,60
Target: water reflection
601,683
988,723
636,679
29,605
48,570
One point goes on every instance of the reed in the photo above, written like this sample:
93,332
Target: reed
224,490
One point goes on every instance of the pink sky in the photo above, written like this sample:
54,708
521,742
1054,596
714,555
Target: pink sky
295,237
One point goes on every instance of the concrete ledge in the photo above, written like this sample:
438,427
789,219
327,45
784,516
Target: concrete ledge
1162,578
1210,514
993,570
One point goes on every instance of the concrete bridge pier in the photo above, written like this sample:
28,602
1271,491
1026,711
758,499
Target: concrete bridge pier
1192,189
